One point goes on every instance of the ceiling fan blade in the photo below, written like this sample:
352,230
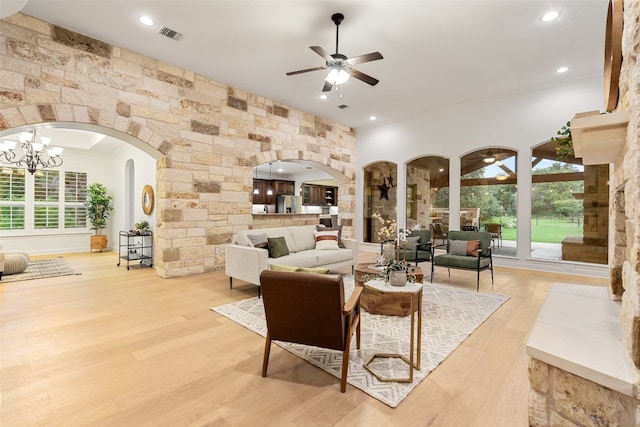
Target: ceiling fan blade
320,51
373,56
362,76
327,87
306,70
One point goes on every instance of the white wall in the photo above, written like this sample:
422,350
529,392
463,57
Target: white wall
518,122
145,173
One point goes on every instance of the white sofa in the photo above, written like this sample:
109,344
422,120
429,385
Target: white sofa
246,262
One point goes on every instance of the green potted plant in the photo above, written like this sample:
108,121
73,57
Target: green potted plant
564,142
99,205
141,226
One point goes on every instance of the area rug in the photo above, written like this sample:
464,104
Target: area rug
41,269
449,316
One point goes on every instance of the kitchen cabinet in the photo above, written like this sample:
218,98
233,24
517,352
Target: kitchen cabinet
284,188
319,195
278,187
262,198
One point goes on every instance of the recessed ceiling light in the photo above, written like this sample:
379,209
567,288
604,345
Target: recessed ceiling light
550,16
562,70
372,118
323,96
146,20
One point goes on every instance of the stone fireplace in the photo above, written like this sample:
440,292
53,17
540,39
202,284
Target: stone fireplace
585,346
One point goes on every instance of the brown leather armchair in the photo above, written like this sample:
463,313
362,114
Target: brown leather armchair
308,308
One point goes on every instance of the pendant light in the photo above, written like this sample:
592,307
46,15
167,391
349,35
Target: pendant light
255,184
269,191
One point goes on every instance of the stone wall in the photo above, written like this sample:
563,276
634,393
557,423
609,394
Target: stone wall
558,398
383,191
592,247
627,184
421,178
210,135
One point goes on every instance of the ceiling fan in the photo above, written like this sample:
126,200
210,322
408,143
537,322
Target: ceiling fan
340,65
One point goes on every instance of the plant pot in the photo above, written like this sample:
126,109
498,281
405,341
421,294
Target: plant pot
98,242
398,278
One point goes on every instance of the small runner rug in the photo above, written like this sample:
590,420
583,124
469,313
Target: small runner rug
41,269
449,316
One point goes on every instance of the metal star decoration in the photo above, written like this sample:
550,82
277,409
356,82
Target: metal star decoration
384,190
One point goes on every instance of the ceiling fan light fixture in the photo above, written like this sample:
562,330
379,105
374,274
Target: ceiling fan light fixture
337,76
489,159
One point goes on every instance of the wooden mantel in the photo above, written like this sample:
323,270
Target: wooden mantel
599,138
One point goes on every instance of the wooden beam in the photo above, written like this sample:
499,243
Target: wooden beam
512,179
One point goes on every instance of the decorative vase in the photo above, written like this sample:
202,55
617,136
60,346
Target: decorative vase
388,252
398,278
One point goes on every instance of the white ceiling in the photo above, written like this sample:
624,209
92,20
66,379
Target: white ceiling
436,53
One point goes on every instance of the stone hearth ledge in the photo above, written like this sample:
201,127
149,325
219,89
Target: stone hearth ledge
578,330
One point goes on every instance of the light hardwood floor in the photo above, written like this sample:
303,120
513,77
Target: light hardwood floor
112,347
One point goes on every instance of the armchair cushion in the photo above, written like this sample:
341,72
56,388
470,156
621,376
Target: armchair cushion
277,247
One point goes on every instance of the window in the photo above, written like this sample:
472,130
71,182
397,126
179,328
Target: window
12,199
75,194
46,199
42,202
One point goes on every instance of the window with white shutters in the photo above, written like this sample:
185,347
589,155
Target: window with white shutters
49,201
12,198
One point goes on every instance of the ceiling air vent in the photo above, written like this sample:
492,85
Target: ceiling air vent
343,106
168,32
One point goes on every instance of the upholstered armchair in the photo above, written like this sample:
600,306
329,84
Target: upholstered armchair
309,308
418,247
466,250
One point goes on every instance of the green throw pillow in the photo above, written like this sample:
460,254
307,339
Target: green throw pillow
277,247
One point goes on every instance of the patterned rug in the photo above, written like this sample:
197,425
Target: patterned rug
449,316
41,269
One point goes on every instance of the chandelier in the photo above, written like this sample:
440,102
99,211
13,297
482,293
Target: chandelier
30,154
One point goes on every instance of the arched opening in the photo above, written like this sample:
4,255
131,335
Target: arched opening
297,187
427,201
488,190
91,154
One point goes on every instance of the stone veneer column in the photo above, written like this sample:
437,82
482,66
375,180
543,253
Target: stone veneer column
559,398
210,135
627,176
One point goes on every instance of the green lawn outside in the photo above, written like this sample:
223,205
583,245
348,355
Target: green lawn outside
545,231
